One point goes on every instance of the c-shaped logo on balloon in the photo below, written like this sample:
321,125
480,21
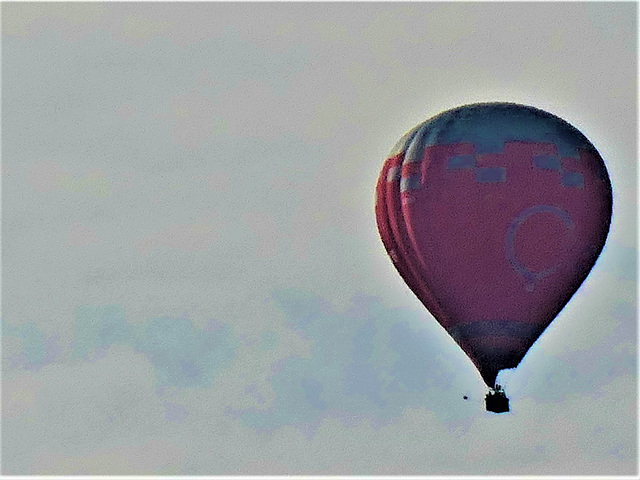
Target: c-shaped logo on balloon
530,276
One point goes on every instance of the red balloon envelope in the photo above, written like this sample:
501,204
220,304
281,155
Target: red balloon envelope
494,214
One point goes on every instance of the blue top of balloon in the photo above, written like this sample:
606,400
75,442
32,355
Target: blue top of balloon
489,125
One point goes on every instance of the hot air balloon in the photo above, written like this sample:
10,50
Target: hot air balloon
494,214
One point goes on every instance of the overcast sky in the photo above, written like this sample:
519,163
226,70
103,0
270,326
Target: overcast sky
193,281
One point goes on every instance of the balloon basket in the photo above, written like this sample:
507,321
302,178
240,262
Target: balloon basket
496,401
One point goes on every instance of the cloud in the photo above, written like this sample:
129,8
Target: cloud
74,408
536,438
27,346
75,22
134,457
371,368
620,260
120,385
46,175
364,363
82,236
194,237
181,353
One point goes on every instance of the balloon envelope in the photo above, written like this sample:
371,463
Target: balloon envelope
494,214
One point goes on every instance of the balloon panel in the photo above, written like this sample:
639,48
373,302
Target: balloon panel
403,240
384,227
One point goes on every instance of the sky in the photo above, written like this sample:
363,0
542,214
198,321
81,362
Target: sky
192,278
